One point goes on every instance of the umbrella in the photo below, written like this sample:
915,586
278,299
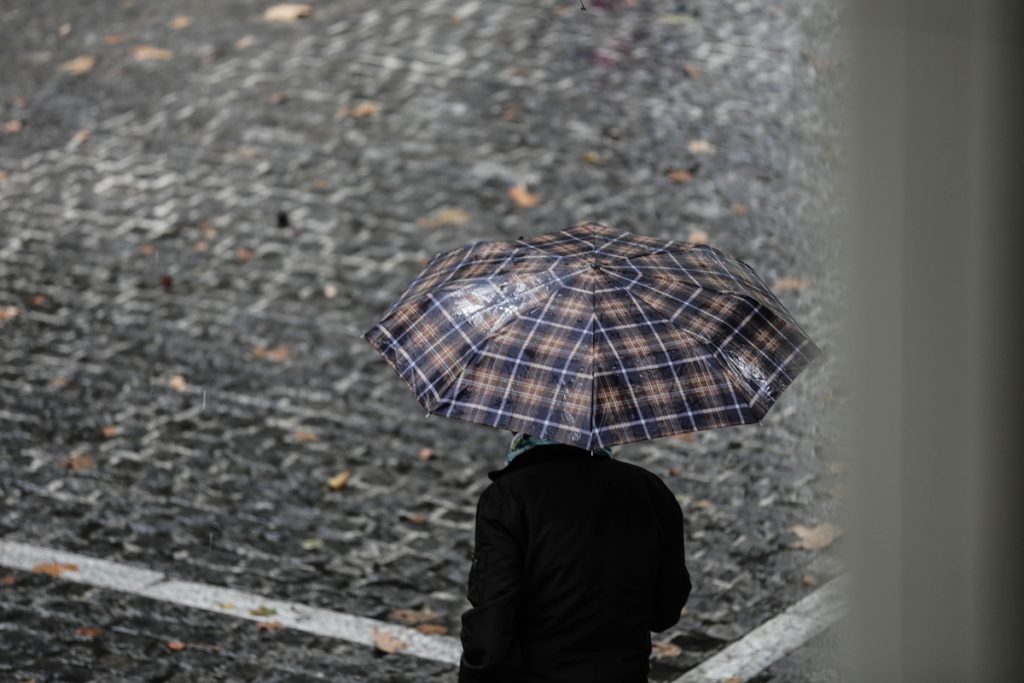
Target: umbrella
593,337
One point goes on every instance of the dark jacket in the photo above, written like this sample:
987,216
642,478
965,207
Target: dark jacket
577,559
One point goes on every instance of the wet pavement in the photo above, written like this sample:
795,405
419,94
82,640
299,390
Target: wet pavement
198,227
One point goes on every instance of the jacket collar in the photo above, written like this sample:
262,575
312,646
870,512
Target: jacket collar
538,454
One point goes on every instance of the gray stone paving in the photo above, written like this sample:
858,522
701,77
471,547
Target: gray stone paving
220,200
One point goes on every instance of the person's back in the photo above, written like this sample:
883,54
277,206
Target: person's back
577,560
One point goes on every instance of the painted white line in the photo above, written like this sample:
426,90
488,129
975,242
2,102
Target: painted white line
157,586
769,642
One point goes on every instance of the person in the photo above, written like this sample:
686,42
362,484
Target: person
577,558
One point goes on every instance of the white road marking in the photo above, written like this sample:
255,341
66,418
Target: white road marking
158,586
769,642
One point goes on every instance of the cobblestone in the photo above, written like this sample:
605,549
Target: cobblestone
200,222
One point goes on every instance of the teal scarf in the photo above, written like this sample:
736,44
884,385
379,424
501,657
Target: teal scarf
523,442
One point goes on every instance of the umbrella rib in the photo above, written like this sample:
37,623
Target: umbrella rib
593,354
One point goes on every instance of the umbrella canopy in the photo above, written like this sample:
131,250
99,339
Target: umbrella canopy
593,337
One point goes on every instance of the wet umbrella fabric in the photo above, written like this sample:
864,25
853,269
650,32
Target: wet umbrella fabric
592,337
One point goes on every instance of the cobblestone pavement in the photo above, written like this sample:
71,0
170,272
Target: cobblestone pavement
193,241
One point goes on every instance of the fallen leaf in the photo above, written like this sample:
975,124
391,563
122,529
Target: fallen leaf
80,136
150,53
167,282
417,517
64,29
89,631
14,126
279,97
339,481
79,65
58,382
288,12
700,147
244,255
692,70
116,38
511,112
739,209
412,617
79,462
176,645
54,568
592,158
9,580
697,237
178,383
425,453
386,642
312,544
273,625
20,101
110,431
816,537
201,246
9,312
305,436
680,176
278,354
685,436
330,291
446,216
522,196
733,679
226,605
810,580
147,249
263,611
675,471
364,109
432,629
703,504
209,232
244,43
422,261
787,284
663,649
181,21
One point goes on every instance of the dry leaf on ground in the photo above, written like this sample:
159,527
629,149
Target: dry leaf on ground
8,580
816,537
592,157
244,43
413,617
151,53
277,353
181,21
447,216
339,481
522,196
789,284
692,70
116,38
272,625
386,642
89,631
666,649
417,517
244,255
287,12
79,65
700,147
680,176
9,312
697,237
432,629
810,580
80,462
330,291
263,611
364,109
425,453
176,645
304,436
110,431
14,126
54,568
178,383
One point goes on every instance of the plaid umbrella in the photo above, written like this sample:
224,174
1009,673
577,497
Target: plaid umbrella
593,337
